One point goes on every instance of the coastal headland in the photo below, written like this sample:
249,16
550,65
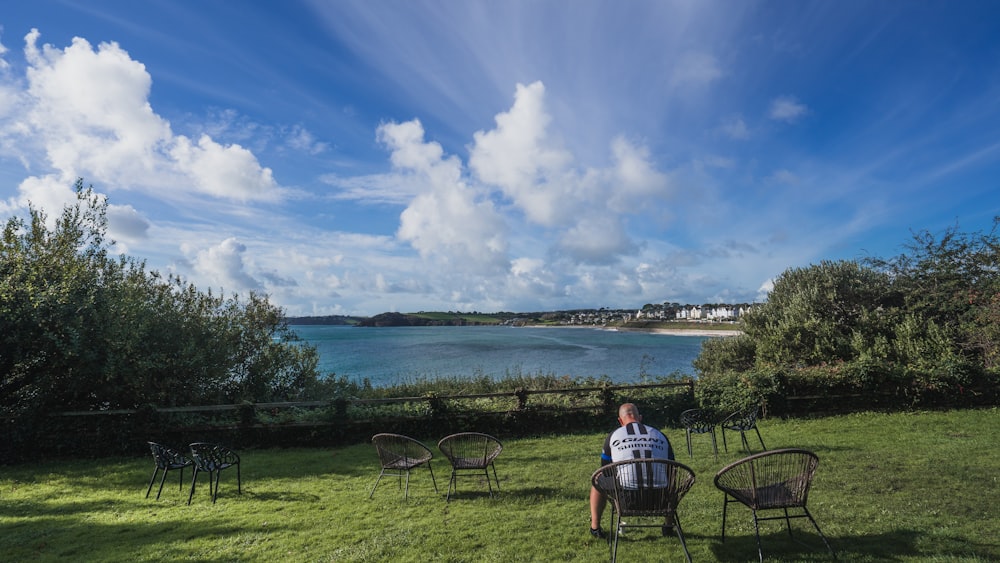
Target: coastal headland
552,319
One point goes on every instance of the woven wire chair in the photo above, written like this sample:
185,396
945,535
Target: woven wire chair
643,488
213,459
699,421
166,459
397,455
471,452
774,480
742,421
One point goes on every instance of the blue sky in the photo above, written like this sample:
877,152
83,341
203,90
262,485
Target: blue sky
356,157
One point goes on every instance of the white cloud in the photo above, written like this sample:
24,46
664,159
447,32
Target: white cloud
786,108
126,224
223,266
735,128
783,177
87,111
223,171
449,221
696,69
519,157
3,52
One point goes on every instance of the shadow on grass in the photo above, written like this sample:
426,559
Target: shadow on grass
891,546
71,539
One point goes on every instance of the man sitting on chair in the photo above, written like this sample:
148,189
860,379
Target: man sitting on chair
633,440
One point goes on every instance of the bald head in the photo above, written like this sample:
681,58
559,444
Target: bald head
627,413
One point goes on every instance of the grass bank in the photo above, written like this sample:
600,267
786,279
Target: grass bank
890,487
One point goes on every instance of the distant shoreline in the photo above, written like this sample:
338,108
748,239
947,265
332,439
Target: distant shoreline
665,331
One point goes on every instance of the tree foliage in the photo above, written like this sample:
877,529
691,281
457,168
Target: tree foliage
83,330
921,324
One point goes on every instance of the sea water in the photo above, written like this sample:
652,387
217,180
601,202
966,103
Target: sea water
389,355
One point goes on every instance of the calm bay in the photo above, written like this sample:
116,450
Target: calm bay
388,355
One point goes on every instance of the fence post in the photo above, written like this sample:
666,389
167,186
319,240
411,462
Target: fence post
522,398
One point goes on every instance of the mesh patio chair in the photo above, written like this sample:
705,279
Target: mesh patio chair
644,488
699,421
471,452
742,421
774,480
213,459
398,454
165,460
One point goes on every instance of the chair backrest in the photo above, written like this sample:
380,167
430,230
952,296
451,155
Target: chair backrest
741,420
470,449
698,420
773,479
644,487
213,457
396,450
167,458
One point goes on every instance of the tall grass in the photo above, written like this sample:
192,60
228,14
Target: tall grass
890,487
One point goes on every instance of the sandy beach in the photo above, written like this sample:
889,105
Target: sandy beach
668,331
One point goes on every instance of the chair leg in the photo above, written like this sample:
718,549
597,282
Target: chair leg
215,490
431,469
746,444
495,478
406,491
151,479
180,481
376,483
680,535
194,480
715,446
820,532
162,479
762,446
788,523
724,446
239,480
725,505
451,483
756,529
616,521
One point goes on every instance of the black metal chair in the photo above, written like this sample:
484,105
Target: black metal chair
699,421
742,421
471,451
213,459
774,480
166,459
644,488
398,454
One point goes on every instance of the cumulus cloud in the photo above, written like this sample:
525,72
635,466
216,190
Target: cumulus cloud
450,220
125,223
521,159
786,108
223,265
87,111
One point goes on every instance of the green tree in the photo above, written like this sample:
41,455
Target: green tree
816,314
81,330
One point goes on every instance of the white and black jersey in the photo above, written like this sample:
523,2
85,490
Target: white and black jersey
635,440
638,441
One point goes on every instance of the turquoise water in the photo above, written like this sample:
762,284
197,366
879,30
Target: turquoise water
390,355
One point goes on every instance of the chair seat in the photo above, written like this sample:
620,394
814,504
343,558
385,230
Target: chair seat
471,451
774,480
656,497
398,455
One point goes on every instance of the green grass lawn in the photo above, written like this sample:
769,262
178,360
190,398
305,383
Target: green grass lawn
898,487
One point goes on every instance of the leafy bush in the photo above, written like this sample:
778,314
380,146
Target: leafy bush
81,330
917,330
